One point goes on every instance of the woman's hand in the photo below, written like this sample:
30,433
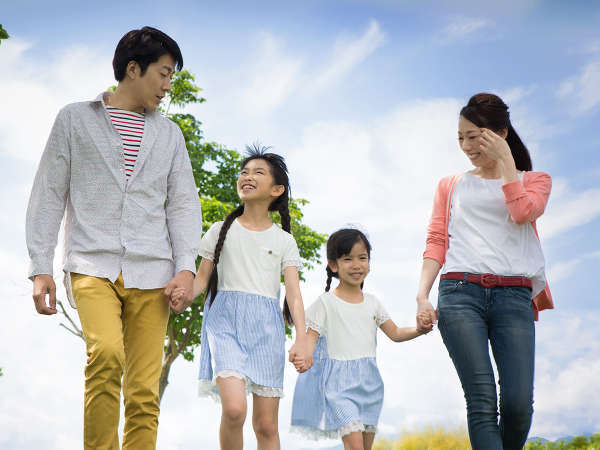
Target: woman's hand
496,148
493,145
424,323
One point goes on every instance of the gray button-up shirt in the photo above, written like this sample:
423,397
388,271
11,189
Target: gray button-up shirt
148,228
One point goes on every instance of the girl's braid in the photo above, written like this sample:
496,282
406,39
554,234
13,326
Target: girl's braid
214,276
330,275
284,213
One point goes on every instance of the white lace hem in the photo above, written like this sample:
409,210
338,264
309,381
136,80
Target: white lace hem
317,434
207,388
314,326
380,319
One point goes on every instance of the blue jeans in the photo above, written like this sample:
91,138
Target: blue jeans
470,315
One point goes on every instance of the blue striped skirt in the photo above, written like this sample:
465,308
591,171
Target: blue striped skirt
337,397
243,335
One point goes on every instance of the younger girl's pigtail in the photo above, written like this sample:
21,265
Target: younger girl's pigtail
286,225
213,281
330,276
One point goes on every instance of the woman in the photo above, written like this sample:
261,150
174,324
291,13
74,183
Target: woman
482,236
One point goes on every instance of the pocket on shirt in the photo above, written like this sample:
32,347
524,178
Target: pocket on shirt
269,260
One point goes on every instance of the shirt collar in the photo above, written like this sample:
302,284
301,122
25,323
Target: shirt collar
101,98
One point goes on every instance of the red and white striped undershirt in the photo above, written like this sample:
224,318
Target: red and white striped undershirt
130,126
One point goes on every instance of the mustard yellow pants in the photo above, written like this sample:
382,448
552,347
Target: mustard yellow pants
124,332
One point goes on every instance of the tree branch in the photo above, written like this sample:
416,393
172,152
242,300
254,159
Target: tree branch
76,330
186,338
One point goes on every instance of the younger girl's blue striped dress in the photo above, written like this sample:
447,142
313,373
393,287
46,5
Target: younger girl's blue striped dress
243,333
343,391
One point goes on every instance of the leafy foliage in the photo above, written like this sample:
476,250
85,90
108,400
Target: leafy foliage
439,439
578,442
429,439
3,34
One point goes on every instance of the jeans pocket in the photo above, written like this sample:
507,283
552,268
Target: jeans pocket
521,293
447,295
449,286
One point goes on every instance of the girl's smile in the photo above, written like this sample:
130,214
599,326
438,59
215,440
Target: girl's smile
352,268
257,183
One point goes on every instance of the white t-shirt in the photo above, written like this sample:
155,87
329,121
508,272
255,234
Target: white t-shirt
349,328
484,239
251,261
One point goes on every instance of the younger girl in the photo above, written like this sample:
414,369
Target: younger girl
243,336
342,395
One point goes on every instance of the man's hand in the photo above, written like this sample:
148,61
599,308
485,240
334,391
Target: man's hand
44,284
183,282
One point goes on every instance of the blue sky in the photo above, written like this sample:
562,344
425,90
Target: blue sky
362,98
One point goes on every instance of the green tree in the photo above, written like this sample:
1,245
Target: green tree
3,34
535,445
215,170
578,442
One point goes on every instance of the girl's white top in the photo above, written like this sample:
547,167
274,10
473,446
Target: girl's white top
251,261
350,329
484,238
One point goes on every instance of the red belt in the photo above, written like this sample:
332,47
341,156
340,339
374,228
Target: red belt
488,280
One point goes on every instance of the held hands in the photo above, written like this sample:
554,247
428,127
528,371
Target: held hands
44,284
300,355
426,316
177,301
424,323
179,291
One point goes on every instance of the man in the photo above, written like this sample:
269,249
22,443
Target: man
132,233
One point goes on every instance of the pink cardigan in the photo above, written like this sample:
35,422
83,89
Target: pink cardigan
525,200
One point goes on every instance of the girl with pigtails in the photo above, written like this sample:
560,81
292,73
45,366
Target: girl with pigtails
342,394
243,332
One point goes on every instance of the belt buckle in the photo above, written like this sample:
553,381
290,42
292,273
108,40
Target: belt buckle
489,280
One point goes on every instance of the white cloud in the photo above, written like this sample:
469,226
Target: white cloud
568,209
582,91
567,369
273,77
516,94
36,92
348,53
382,173
462,26
563,269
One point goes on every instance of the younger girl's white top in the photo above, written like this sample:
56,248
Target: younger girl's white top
251,261
350,329
484,239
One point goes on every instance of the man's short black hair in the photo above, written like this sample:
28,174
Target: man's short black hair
144,46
